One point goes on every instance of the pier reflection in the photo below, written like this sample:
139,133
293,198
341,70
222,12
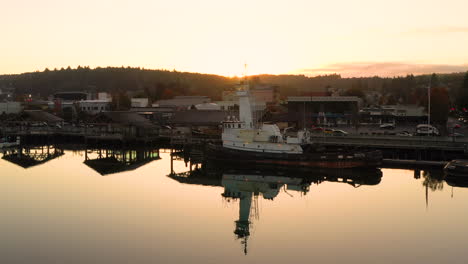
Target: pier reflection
107,161
32,155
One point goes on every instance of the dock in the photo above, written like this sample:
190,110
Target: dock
398,163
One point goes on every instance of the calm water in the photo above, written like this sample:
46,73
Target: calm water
65,211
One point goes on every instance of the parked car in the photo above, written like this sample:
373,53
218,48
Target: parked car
317,129
339,132
404,134
387,126
426,130
328,130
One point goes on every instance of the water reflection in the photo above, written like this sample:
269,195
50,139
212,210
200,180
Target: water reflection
30,156
338,213
248,188
246,185
110,160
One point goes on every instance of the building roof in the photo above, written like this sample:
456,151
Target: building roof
40,116
125,118
323,99
208,106
184,101
152,109
96,101
201,117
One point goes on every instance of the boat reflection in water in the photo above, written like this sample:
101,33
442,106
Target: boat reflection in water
248,184
456,173
248,187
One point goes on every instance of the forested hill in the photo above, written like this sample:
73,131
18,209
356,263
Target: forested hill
161,84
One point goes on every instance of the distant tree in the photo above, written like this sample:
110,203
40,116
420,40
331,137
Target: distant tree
435,80
355,91
121,101
440,104
462,98
158,84
391,100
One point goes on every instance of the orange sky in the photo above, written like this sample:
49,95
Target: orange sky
354,38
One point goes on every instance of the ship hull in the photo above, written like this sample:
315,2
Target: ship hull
323,159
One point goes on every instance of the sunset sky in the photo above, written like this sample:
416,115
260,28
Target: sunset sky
350,37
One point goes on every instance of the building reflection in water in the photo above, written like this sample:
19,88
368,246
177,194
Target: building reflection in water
114,160
246,185
32,155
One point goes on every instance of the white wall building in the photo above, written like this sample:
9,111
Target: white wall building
104,96
140,102
183,101
10,107
208,106
94,106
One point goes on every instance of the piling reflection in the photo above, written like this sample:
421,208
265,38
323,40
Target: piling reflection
30,156
107,161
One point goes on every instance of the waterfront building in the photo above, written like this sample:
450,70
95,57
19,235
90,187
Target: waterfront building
139,102
183,102
208,121
10,107
396,114
37,118
72,96
324,110
157,115
94,106
124,124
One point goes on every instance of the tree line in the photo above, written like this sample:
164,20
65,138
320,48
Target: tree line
164,84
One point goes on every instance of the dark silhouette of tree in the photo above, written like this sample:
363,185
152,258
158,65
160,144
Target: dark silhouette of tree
162,84
440,104
355,91
120,101
440,101
462,98
435,80
433,180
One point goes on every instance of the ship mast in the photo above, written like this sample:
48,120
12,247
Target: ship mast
245,104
